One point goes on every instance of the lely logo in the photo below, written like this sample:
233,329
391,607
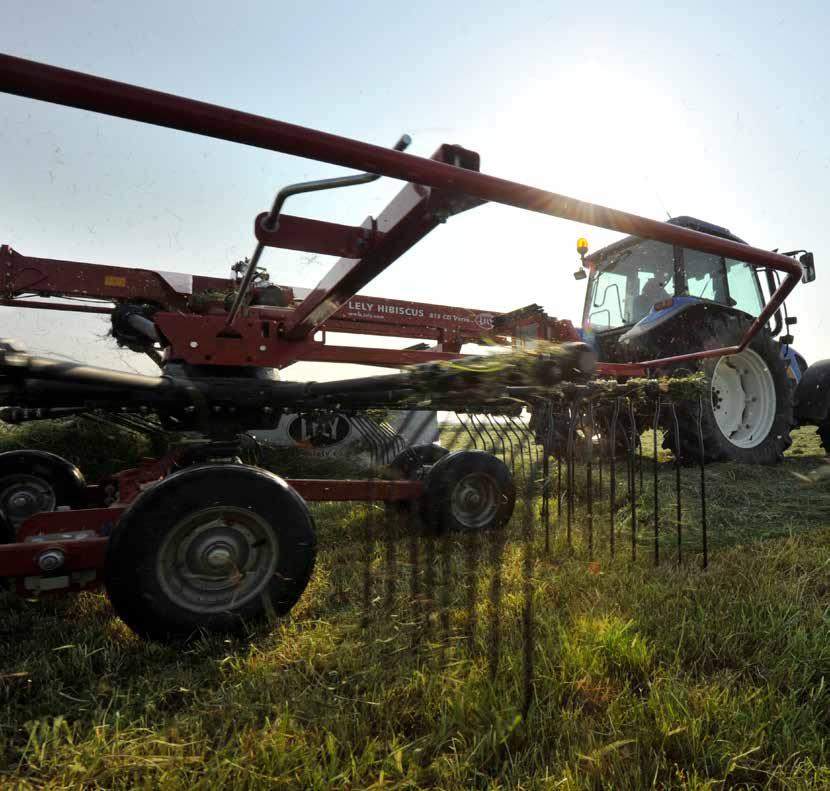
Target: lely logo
319,432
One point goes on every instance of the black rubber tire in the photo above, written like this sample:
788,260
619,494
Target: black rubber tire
410,465
7,536
131,576
7,533
823,432
442,482
65,479
726,330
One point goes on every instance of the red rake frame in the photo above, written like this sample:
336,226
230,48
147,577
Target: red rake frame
450,181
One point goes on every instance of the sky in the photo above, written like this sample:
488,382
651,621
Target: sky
716,110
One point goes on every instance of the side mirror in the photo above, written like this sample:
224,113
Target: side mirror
580,274
809,267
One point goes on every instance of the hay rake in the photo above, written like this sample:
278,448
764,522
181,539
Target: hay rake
594,502
195,540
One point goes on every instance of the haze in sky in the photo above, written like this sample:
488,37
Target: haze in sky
716,110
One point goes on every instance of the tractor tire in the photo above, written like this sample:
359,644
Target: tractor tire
747,410
823,432
33,481
468,490
214,549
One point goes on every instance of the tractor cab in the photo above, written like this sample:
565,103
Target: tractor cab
635,285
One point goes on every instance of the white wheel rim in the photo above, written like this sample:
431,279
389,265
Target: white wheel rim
743,398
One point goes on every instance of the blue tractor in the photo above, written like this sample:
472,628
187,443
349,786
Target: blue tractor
648,300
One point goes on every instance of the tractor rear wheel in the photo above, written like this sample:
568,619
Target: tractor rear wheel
210,549
747,407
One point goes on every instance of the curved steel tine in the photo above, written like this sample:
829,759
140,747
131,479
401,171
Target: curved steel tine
654,428
496,433
546,433
705,536
589,478
570,470
676,423
612,483
463,421
632,482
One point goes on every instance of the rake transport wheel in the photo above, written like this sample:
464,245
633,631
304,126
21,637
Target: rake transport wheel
210,548
410,465
748,402
468,490
33,481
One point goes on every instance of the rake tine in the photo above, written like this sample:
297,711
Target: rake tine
677,483
496,547
459,430
421,426
378,435
467,428
516,432
472,554
369,551
527,610
656,486
702,482
391,560
499,432
445,596
482,429
589,479
600,434
571,471
415,578
632,480
613,482
546,452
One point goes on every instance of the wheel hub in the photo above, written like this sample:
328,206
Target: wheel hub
475,500
217,558
743,398
22,496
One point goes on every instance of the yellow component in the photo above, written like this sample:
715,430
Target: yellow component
582,246
119,282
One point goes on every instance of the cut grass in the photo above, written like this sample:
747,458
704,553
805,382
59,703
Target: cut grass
644,677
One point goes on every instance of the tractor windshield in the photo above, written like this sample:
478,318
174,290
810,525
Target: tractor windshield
626,282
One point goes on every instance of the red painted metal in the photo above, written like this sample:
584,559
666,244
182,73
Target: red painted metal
76,308
62,86
21,274
20,560
101,520
410,216
316,236
387,358
344,491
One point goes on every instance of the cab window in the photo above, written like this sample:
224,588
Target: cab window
743,287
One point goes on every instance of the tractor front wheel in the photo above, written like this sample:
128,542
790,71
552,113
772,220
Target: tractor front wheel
747,408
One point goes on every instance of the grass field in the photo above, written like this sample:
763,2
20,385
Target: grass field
644,677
